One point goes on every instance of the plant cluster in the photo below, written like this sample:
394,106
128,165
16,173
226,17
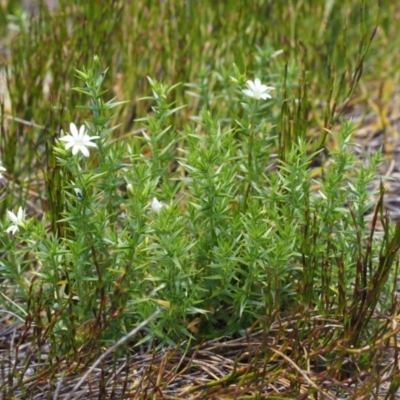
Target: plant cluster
238,235
228,203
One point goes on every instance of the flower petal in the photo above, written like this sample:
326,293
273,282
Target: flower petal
12,217
84,151
90,144
75,149
20,214
73,129
69,145
248,92
67,138
156,205
12,229
82,131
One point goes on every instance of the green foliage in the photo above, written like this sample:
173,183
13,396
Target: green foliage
265,209
239,234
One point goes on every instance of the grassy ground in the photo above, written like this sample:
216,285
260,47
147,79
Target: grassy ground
269,269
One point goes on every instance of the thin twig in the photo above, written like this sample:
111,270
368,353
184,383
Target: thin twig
304,375
111,349
24,122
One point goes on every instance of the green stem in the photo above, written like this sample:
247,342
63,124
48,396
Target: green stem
250,154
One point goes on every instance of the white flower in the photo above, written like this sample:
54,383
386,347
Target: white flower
79,141
257,90
79,193
156,205
2,169
18,220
